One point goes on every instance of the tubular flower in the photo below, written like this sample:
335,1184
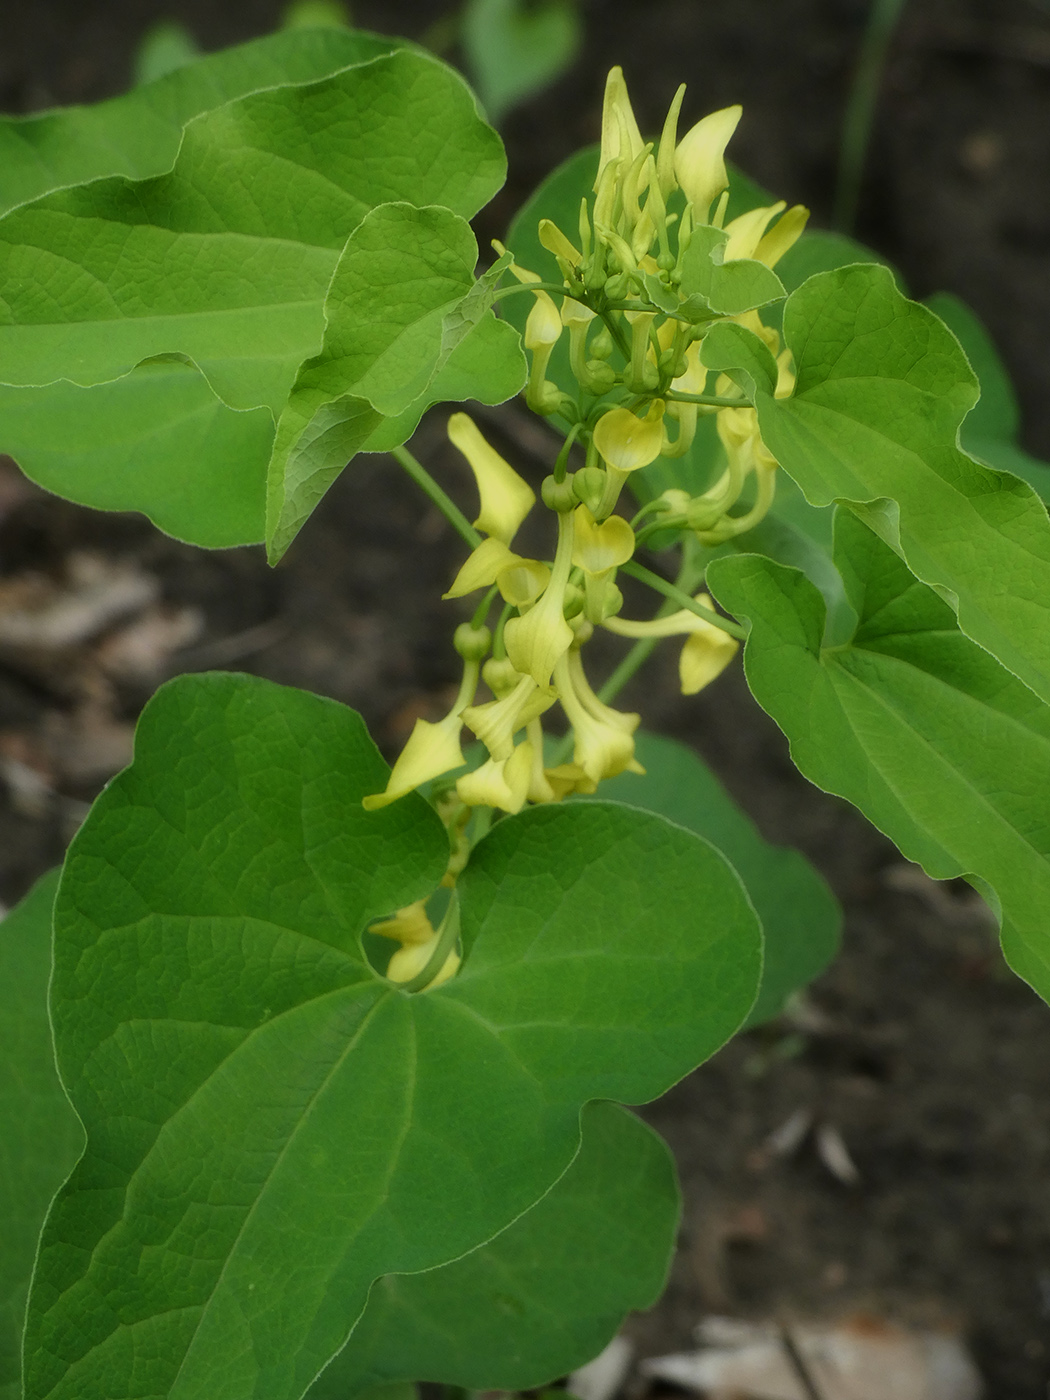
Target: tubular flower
433,748
600,748
749,238
534,642
496,722
707,651
599,550
699,159
621,139
409,962
483,567
408,925
502,783
505,498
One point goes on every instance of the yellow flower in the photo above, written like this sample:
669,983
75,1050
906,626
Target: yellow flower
627,442
496,722
534,642
408,925
602,747
748,236
409,962
706,654
699,159
502,783
621,139
432,749
505,498
482,567
599,550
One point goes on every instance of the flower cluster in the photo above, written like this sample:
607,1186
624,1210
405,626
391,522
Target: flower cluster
656,265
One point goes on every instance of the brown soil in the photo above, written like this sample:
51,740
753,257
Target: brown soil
917,1048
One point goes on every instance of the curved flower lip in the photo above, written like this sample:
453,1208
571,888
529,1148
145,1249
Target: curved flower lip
432,750
502,783
482,567
505,498
408,925
704,657
552,238
543,326
497,721
627,442
598,548
699,159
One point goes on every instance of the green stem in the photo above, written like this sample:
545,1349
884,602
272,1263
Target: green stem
688,577
713,400
481,612
447,936
444,502
860,109
679,596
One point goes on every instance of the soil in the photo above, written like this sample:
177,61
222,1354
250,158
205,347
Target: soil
917,1051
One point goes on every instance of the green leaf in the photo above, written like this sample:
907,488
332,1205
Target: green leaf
743,355
543,1297
819,250
801,919
138,134
166,47
514,49
40,1135
401,301
271,1125
918,726
205,481
226,263
990,430
882,388
726,288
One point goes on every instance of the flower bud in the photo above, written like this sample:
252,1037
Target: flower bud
699,159
471,642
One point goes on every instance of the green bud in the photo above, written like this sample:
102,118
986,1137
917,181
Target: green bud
602,346
616,287
588,484
472,643
500,676
602,376
666,262
558,495
612,602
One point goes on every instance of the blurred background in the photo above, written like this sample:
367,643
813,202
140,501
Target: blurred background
884,1151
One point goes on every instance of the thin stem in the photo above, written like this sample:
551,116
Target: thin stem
481,612
860,109
714,400
688,577
448,933
679,596
444,502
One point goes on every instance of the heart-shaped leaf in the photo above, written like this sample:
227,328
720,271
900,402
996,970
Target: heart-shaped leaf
924,731
727,288
224,262
541,1298
271,1125
138,134
881,390
40,1135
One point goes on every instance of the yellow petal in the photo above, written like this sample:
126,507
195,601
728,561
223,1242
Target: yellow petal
783,235
496,722
502,783
536,641
699,159
544,325
409,962
570,777
432,749
482,567
597,548
621,139
523,581
746,232
627,442
408,925
505,499
555,242
705,655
